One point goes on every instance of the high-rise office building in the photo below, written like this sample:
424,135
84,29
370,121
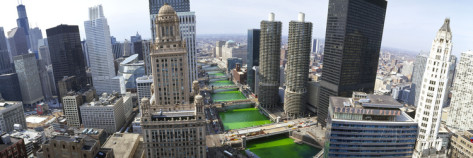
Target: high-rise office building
43,51
367,125
460,116
252,56
417,76
35,34
169,111
297,69
432,93
127,48
17,42
147,48
143,87
10,87
314,46
218,48
71,105
44,79
66,54
22,22
85,51
138,49
5,62
134,39
270,52
28,76
99,47
352,45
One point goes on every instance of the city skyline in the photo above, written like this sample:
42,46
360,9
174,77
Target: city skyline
411,34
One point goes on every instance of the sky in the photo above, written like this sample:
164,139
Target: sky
409,24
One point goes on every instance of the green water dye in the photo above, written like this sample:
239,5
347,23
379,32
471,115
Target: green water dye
242,118
280,146
228,96
221,83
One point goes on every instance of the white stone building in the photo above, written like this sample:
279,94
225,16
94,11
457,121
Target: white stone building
107,113
11,113
71,109
432,93
461,106
233,49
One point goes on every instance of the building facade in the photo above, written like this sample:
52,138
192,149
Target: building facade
368,125
11,113
352,46
28,77
460,116
270,45
110,110
69,146
10,87
66,53
417,76
99,47
297,69
18,42
143,86
12,147
168,115
71,106
461,144
432,94
5,62
252,56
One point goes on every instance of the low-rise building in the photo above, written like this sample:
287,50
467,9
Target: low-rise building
368,125
124,145
31,138
239,74
12,147
461,144
11,112
69,146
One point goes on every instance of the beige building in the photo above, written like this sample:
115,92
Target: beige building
71,109
461,145
110,110
168,116
69,146
231,49
11,112
124,145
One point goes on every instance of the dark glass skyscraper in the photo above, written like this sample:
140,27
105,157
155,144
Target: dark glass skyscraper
66,53
5,64
10,87
22,22
352,45
253,56
178,5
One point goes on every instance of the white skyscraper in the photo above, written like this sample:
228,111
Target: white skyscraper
461,106
432,93
99,47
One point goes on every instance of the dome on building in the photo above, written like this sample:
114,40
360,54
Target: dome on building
230,43
166,9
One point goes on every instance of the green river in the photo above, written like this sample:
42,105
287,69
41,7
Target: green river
280,146
242,118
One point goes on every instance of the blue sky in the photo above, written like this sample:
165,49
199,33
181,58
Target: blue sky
410,24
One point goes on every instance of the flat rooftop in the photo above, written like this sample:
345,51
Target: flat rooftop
122,144
6,104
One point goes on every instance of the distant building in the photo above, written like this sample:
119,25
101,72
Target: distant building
417,76
364,126
314,46
22,22
44,79
127,48
28,77
218,48
5,62
12,147
10,87
231,63
99,47
352,46
270,54
11,113
130,69
138,49
43,51
147,45
110,110
239,74
297,68
233,50
18,42
461,144
117,50
143,86
35,34
252,55
66,53
313,96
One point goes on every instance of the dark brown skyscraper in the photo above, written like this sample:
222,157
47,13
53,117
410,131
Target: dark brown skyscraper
66,53
352,45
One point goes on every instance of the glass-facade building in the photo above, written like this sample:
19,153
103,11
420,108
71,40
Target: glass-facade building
352,44
253,56
368,126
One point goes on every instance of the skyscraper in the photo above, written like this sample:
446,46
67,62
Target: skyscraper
297,68
417,76
22,22
253,56
17,42
169,112
5,62
315,46
352,44
460,116
187,26
66,53
99,47
10,87
270,52
28,77
432,93
35,34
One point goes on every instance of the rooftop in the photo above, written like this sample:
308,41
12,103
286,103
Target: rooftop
7,104
27,135
122,144
104,100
